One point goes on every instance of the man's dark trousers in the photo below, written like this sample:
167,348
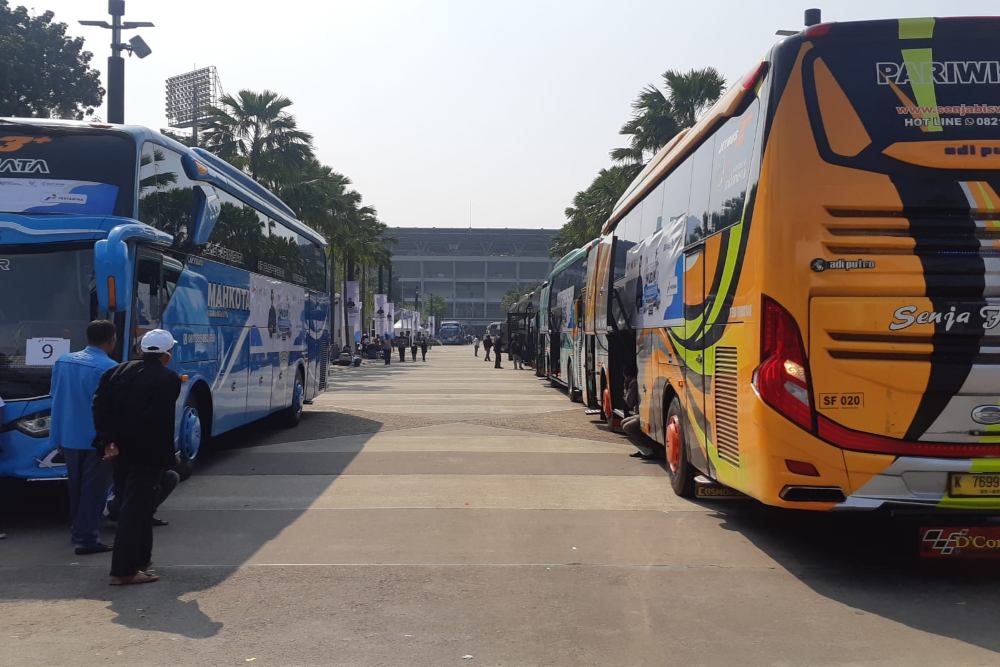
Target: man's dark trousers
89,482
137,485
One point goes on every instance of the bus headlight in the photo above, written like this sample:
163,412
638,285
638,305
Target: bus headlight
37,425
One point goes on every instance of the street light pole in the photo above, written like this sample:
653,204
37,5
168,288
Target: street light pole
116,63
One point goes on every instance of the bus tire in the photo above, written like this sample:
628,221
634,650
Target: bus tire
575,394
292,415
679,467
605,400
192,436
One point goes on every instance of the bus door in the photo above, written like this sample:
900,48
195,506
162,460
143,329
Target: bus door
693,396
599,284
156,279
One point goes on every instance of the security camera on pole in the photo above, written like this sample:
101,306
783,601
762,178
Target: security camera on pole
116,64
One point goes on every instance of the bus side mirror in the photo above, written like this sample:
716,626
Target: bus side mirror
111,273
206,213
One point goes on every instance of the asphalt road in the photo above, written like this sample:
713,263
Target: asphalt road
448,513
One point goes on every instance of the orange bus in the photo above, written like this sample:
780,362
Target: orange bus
808,280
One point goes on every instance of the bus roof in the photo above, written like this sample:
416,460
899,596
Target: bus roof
224,174
571,257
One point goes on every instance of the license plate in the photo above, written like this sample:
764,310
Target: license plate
973,484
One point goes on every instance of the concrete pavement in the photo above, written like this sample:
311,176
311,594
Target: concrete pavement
448,513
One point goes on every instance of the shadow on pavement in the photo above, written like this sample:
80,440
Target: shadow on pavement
199,550
869,561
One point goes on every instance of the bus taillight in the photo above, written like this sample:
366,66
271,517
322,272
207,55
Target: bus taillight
782,379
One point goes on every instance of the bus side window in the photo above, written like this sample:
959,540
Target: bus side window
731,168
171,276
701,187
147,312
149,211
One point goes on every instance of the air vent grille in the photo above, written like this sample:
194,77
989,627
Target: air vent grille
324,366
726,413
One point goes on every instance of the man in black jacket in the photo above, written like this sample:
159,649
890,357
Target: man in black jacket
134,417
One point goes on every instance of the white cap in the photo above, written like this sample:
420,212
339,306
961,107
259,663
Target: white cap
157,340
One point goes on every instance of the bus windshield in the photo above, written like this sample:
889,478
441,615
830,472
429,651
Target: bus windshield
55,171
43,295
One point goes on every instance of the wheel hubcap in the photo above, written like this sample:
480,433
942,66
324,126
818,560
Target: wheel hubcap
190,433
674,443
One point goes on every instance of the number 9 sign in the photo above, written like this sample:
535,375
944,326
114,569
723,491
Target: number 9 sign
45,351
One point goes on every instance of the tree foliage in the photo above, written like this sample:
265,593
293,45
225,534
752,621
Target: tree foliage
256,132
590,210
434,306
514,294
658,114
44,73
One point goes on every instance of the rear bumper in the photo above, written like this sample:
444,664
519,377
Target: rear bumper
868,481
912,482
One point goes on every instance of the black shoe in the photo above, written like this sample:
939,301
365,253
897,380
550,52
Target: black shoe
159,522
98,548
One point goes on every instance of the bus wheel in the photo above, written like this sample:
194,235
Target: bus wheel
292,415
575,394
678,467
190,438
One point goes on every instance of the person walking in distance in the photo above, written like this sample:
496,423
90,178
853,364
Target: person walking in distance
496,352
515,352
134,411
75,378
423,348
413,347
487,346
387,350
475,345
401,346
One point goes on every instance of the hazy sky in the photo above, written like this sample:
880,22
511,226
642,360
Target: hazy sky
434,105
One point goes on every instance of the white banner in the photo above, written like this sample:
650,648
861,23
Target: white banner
353,301
564,302
380,301
431,325
390,317
653,271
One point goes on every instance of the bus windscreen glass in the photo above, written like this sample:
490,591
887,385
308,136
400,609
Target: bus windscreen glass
46,301
61,172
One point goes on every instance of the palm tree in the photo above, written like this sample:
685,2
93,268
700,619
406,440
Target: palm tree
591,208
255,132
658,116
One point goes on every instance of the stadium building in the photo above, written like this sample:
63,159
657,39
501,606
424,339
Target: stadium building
471,268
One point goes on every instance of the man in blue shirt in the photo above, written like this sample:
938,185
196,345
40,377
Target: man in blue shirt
75,378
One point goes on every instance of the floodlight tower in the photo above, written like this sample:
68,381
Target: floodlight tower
116,64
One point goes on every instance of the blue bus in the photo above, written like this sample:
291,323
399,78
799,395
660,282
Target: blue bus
452,333
123,223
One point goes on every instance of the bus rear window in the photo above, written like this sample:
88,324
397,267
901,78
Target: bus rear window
65,172
875,84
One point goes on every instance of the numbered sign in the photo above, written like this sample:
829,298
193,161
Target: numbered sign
45,351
